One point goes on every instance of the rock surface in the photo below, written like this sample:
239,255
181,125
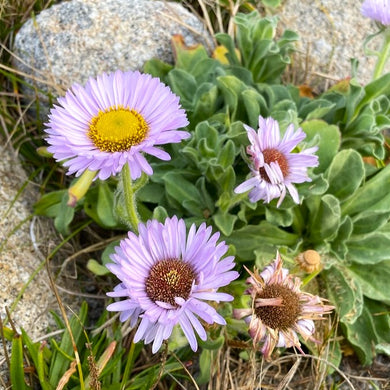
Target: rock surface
19,259
75,40
332,32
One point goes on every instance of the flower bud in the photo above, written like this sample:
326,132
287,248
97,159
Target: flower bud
309,261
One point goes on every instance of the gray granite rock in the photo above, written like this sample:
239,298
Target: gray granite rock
74,40
332,32
19,258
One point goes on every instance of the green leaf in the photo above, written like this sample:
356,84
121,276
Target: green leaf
49,205
65,215
225,222
279,216
380,86
370,194
108,251
212,344
36,351
151,193
271,3
184,85
369,220
227,154
17,365
157,68
184,192
324,218
339,246
99,205
160,213
60,360
227,180
205,363
373,279
188,58
96,268
346,164
381,319
328,138
206,100
315,109
247,239
361,334
344,292
369,249
255,105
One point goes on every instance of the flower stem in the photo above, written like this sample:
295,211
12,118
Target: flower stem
128,191
383,55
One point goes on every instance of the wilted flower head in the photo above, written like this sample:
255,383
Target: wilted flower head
112,121
273,167
166,275
280,310
378,10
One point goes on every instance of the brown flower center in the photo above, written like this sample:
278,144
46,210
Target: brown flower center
279,317
169,279
273,155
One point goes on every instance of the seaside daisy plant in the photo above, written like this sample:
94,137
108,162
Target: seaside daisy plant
317,191
167,275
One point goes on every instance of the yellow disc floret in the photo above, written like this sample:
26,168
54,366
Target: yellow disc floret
117,129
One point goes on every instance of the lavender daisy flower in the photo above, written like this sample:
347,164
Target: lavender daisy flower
378,10
112,121
280,310
166,275
273,167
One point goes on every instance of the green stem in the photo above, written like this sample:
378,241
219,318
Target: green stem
128,191
383,55
129,365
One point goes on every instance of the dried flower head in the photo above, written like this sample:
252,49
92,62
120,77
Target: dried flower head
378,10
166,275
112,121
273,167
309,261
280,310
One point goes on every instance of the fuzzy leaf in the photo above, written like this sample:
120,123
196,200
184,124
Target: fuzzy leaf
328,138
374,280
373,192
345,293
65,215
369,220
247,239
49,205
225,222
347,163
361,334
369,249
99,205
315,109
325,217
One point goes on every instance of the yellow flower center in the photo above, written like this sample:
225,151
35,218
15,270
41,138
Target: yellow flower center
117,129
